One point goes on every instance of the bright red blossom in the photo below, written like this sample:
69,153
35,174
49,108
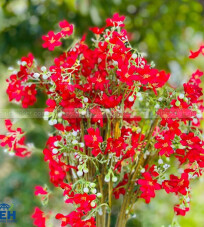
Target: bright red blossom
39,190
39,218
14,140
148,187
66,28
51,40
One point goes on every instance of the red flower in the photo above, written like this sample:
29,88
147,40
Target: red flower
197,53
64,219
28,60
14,139
57,174
193,91
181,210
74,219
51,105
97,116
116,20
52,40
148,187
176,185
39,190
18,87
109,101
67,29
164,144
97,30
118,190
189,139
29,96
116,146
39,218
127,74
93,139
173,127
67,189
89,223
84,201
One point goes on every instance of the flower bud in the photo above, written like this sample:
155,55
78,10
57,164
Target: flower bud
93,204
114,179
100,212
83,112
157,106
45,76
99,195
93,185
23,63
36,75
86,99
54,121
79,173
54,151
181,96
134,56
81,144
107,178
177,103
74,133
86,170
74,142
131,98
56,143
86,190
139,94
160,161
50,122
142,170
93,191
43,68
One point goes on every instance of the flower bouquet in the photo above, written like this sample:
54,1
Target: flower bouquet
120,131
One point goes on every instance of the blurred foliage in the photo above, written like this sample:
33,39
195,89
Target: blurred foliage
166,30
18,178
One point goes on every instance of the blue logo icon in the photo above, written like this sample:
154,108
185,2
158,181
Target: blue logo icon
7,214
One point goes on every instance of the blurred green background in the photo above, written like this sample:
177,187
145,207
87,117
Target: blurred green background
165,30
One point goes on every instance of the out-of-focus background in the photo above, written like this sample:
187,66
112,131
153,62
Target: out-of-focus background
164,30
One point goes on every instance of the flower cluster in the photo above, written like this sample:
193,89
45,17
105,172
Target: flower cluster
19,88
52,40
14,140
118,126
